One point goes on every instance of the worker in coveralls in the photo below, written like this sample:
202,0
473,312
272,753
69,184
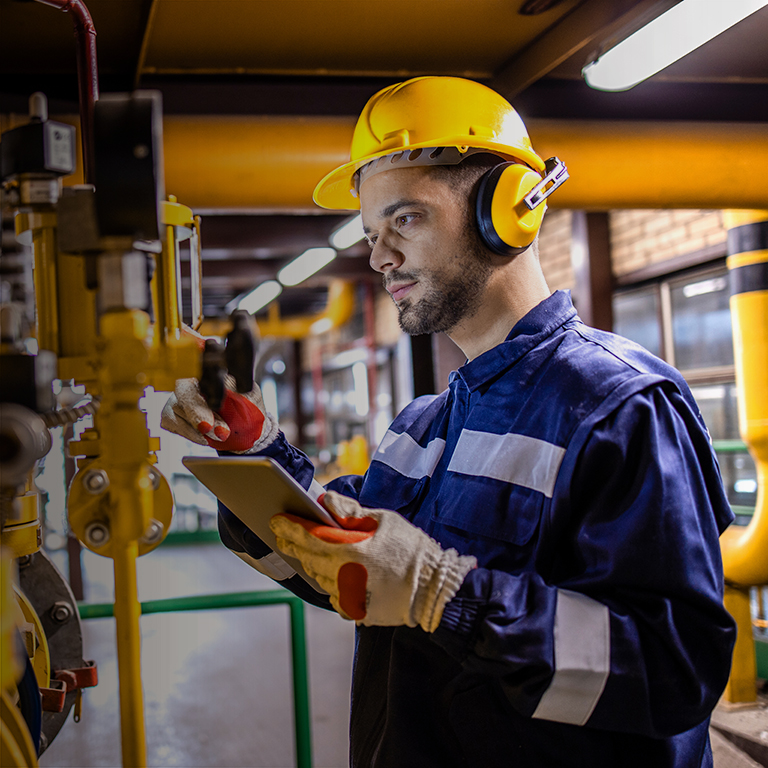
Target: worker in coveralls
532,557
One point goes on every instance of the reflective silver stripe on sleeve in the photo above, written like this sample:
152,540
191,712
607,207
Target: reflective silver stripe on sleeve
271,565
513,458
315,489
403,454
582,659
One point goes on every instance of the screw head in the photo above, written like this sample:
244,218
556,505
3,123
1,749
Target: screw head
96,534
61,611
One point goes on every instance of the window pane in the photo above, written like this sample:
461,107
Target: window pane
636,316
719,409
701,322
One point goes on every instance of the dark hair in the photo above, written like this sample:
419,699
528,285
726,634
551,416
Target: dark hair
463,177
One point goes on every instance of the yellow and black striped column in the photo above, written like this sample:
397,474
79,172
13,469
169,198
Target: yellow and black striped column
745,550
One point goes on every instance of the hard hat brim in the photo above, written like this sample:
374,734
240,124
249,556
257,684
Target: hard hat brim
336,190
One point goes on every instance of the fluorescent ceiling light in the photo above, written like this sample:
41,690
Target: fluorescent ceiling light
304,266
680,30
348,234
321,326
260,296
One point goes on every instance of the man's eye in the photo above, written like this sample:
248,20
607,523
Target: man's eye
371,241
405,218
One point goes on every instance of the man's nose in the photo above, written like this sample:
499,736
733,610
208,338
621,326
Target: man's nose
384,257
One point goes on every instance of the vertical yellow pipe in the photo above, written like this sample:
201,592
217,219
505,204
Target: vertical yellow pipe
741,687
44,247
77,308
38,229
170,259
127,614
745,550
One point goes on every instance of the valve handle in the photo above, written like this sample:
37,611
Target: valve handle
241,351
213,375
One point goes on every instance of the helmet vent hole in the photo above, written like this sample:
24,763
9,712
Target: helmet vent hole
414,155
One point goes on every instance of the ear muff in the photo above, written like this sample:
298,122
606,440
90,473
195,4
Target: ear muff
507,226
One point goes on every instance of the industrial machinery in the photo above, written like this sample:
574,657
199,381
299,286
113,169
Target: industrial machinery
107,317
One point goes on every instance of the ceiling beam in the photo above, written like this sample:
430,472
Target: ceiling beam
589,24
149,7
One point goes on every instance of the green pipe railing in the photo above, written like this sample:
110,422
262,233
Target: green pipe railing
730,446
302,725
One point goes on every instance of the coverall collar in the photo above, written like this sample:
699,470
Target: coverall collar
527,333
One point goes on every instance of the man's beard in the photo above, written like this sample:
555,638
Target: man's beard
446,300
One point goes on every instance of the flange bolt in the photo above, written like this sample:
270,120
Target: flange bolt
153,533
96,534
95,481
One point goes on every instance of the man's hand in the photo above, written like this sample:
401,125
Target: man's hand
241,425
378,568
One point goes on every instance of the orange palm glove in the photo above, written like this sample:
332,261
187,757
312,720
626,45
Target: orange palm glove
241,425
379,569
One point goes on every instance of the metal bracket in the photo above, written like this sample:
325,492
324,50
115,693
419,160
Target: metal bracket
556,174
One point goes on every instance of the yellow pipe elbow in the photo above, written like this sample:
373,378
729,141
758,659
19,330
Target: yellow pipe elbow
337,312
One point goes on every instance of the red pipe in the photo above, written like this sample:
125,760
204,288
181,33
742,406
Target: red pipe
87,74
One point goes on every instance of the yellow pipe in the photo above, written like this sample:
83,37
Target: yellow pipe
251,162
649,164
38,229
127,614
338,311
745,550
274,163
742,681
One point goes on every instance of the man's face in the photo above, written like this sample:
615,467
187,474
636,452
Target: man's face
430,257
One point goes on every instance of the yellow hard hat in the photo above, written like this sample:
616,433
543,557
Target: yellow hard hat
428,112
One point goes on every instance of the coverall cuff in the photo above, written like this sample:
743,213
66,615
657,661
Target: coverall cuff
458,625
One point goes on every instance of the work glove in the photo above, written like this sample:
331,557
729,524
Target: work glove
379,569
241,425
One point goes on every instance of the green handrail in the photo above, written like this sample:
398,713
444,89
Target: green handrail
303,733
730,446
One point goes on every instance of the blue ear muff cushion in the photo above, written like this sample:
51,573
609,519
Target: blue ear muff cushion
488,233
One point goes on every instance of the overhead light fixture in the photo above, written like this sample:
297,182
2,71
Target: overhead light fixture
349,233
680,30
260,296
302,267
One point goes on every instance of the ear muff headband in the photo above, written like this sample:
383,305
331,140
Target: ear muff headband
507,226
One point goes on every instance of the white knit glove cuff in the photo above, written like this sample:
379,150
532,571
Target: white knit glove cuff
439,580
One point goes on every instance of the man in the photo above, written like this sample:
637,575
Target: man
532,557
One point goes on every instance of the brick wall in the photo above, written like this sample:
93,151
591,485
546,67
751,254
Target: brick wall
555,249
644,237
638,238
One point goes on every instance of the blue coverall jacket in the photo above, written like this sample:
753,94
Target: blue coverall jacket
576,468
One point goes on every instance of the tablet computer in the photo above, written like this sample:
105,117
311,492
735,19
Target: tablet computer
255,488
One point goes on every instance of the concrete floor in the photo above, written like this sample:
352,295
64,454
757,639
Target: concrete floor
217,684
